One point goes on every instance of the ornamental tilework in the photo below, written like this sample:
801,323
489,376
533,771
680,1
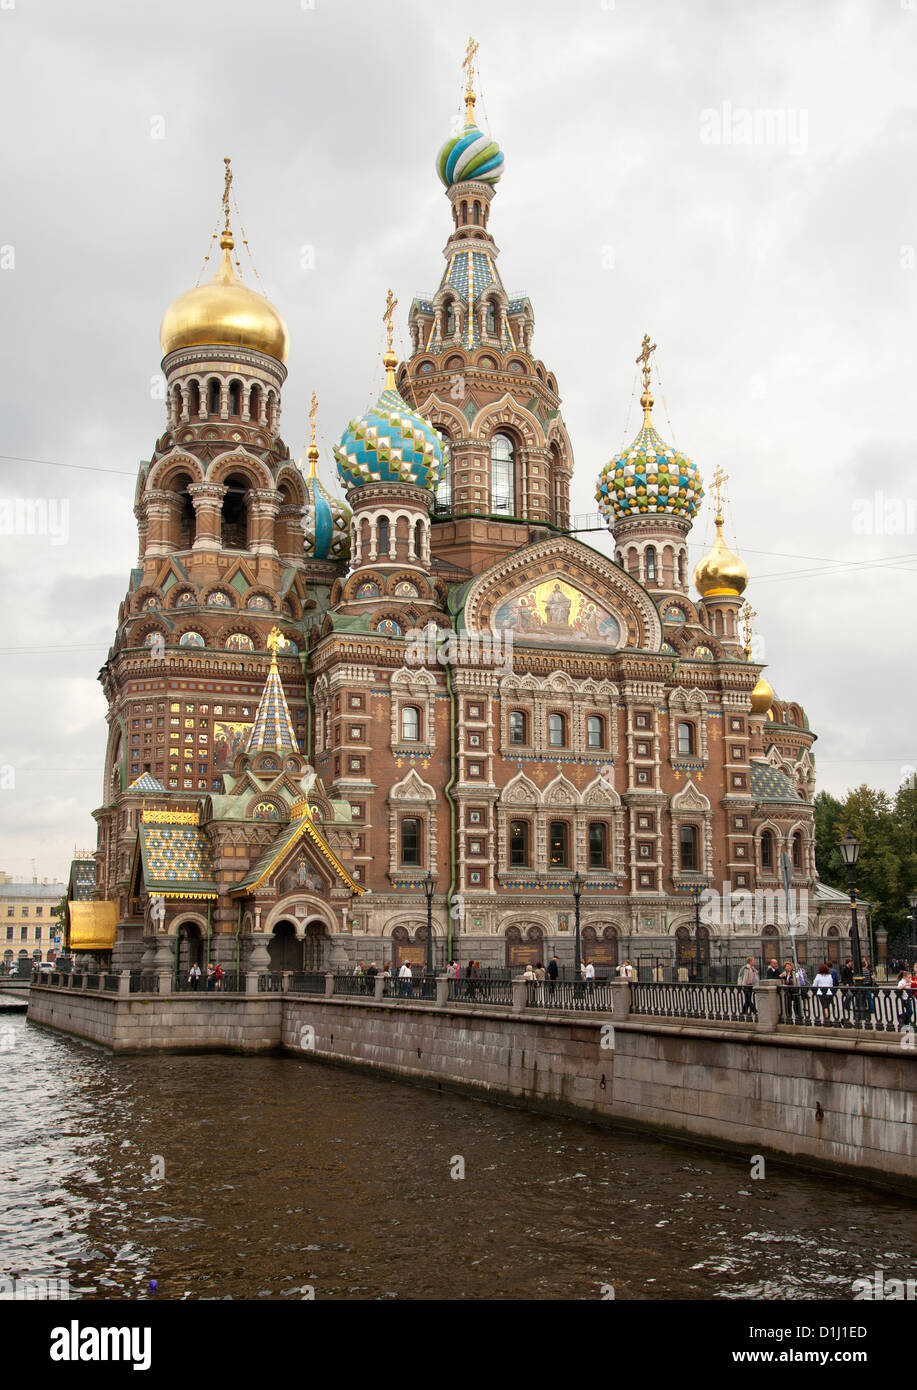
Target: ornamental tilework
649,476
273,727
177,856
767,784
390,444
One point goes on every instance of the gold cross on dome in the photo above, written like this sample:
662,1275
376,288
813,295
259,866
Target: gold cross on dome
644,357
227,184
748,614
468,65
275,639
312,414
719,478
391,304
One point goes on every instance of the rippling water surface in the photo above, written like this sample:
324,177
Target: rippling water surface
254,1177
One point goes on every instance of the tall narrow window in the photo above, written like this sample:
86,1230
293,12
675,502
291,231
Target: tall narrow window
477,214
517,731
519,844
410,841
194,399
235,399
650,560
382,532
213,396
557,731
410,724
767,850
595,731
685,740
681,568
491,318
687,843
557,844
797,851
598,845
449,324
502,480
443,499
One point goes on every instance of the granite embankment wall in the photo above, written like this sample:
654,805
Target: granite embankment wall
847,1104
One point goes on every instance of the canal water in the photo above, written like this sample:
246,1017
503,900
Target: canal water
260,1178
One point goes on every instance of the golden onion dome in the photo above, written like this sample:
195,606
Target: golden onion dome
226,312
720,572
762,697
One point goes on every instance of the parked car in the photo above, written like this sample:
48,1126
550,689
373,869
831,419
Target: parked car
45,968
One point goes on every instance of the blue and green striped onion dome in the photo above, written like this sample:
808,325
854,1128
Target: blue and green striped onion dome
390,444
649,477
326,524
471,155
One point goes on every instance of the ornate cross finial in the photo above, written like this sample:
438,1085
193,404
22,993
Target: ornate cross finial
275,639
391,304
226,240
313,447
719,478
312,414
646,400
468,65
748,615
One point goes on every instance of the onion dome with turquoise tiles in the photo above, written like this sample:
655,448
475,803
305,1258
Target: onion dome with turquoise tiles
326,522
649,477
273,727
391,443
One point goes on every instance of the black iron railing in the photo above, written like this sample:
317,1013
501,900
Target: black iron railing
876,1008
354,984
478,990
415,988
270,983
308,983
144,984
721,1003
591,995
110,984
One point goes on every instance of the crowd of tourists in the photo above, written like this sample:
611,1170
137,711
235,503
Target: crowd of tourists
830,989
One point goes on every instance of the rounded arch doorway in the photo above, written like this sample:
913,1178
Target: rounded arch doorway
686,948
527,949
600,950
284,948
190,948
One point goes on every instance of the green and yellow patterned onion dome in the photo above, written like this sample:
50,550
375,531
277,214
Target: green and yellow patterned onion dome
649,477
471,155
390,444
326,521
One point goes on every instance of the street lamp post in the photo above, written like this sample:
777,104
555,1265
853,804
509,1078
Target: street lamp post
428,886
577,886
850,852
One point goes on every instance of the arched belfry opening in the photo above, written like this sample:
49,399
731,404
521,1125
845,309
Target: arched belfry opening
234,518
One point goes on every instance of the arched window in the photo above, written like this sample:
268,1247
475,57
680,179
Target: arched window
235,399
410,724
176,403
685,732
491,318
767,851
557,731
418,539
598,845
519,845
213,396
383,536
687,848
650,563
184,537
502,479
797,851
443,500
595,731
558,844
254,405
410,841
449,323
234,524
477,214
517,729
681,568
194,399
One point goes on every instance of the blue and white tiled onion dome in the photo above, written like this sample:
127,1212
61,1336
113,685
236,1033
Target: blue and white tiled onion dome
471,155
390,444
326,522
649,477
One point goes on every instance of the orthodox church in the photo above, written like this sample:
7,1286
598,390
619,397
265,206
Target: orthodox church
321,710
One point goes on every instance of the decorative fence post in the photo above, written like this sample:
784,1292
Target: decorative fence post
767,1004
378,986
124,982
442,991
619,993
329,985
520,988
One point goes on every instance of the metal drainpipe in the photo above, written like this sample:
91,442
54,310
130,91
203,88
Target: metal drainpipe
239,938
448,794
307,751
209,912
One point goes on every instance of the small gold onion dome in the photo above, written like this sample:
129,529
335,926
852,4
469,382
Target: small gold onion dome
720,572
762,697
226,312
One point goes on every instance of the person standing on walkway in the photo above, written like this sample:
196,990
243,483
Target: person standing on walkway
626,971
789,977
407,981
824,985
748,978
589,977
553,972
773,971
194,975
211,978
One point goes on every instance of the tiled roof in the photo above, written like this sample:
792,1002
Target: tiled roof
146,782
273,727
767,784
32,890
177,861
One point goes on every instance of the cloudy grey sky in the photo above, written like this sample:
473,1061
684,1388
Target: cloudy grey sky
772,257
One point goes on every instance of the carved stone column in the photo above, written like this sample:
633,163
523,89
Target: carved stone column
208,504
